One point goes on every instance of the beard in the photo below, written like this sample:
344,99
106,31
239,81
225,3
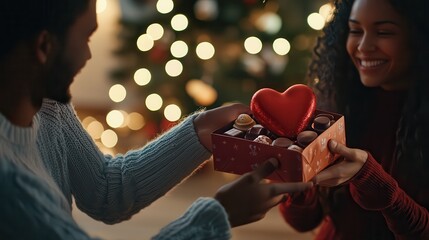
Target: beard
59,79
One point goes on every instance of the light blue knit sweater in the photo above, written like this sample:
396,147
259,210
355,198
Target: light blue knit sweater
42,166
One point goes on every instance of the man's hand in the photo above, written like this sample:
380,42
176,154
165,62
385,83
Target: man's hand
209,121
250,197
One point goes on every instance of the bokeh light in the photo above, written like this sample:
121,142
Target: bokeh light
155,30
145,42
142,77
253,45
164,6
316,21
154,102
179,49
327,10
269,22
281,46
95,129
179,22
109,138
135,121
115,119
173,68
202,93
172,112
117,93
205,50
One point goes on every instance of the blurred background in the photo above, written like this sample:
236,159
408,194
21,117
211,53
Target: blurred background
156,61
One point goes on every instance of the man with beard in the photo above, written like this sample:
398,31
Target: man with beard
46,157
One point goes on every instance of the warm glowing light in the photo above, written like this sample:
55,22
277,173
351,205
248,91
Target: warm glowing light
115,119
154,102
201,92
316,21
109,138
281,46
327,10
164,6
86,121
135,121
253,45
269,22
173,68
145,42
117,93
205,50
179,22
172,112
95,129
142,76
155,30
179,49
101,6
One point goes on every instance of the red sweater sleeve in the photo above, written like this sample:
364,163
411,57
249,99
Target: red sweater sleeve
302,211
374,189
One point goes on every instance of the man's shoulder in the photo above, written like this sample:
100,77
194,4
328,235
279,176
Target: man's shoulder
56,111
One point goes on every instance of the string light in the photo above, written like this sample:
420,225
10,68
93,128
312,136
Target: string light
316,21
142,77
117,93
205,50
253,45
173,68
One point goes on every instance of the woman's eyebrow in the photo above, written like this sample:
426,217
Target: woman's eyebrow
377,22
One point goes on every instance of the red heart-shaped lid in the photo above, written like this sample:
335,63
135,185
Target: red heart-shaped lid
285,114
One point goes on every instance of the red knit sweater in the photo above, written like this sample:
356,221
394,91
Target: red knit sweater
372,205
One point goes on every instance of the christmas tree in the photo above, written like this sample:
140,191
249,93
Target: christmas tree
186,54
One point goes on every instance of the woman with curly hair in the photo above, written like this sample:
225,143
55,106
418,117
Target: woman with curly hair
371,64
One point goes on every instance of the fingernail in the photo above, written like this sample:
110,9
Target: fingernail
332,144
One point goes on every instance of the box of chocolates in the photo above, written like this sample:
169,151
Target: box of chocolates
245,143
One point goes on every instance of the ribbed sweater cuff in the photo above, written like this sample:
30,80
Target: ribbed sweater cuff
205,219
372,188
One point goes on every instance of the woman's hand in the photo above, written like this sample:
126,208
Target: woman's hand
350,162
249,198
209,121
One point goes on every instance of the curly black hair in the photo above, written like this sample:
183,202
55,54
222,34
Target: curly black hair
337,84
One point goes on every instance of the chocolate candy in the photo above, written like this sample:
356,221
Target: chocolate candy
263,139
304,138
296,148
321,123
255,131
244,122
282,142
330,116
234,132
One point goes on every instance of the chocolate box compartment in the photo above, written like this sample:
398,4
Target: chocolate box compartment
238,155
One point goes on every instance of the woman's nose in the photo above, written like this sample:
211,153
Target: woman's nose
367,43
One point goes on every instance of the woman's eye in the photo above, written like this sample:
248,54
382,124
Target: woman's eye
385,33
355,31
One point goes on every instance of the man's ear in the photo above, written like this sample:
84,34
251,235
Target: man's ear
44,46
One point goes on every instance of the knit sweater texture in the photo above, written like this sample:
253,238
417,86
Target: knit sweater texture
43,166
